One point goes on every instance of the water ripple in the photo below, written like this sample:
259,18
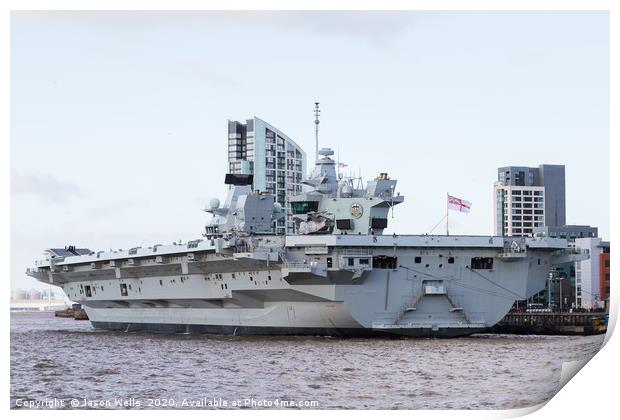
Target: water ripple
71,360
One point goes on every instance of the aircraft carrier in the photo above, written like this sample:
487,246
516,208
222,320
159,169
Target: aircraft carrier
339,275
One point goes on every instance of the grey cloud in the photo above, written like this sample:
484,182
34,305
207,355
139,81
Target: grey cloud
378,27
44,186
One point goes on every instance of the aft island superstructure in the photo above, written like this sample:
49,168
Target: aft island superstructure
340,275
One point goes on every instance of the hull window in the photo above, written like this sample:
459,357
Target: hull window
383,261
344,224
378,223
482,263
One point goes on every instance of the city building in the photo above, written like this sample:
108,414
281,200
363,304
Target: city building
604,274
38,300
569,232
277,163
528,198
592,275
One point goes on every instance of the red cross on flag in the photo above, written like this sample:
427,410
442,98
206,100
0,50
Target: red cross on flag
458,204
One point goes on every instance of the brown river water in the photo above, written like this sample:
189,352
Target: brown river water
60,363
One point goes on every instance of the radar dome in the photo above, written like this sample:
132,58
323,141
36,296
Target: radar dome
277,207
214,203
346,190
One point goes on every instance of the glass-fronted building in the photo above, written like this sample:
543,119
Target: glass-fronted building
277,163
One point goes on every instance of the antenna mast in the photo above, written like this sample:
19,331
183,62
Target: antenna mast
317,111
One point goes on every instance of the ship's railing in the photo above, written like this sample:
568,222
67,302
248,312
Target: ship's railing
511,255
355,252
287,264
514,248
301,264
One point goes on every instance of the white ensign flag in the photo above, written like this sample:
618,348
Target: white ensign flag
458,204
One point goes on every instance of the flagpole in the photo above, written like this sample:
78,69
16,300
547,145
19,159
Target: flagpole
447,212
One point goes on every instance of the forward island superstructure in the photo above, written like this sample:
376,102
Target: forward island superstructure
339,275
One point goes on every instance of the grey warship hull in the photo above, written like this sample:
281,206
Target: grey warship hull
334,285
229,330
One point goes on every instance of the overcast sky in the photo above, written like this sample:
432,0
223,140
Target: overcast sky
119,119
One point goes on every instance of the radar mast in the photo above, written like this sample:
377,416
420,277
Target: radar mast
317,111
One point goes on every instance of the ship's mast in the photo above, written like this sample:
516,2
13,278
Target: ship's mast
317,111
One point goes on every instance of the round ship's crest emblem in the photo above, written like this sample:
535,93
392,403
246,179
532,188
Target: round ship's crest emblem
357,210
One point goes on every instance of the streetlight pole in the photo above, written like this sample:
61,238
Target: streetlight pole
560,295
549,277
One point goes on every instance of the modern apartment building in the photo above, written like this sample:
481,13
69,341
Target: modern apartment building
528,198
277,163
592,279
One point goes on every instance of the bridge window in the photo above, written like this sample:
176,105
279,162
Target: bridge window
482,263
385,262
301,207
